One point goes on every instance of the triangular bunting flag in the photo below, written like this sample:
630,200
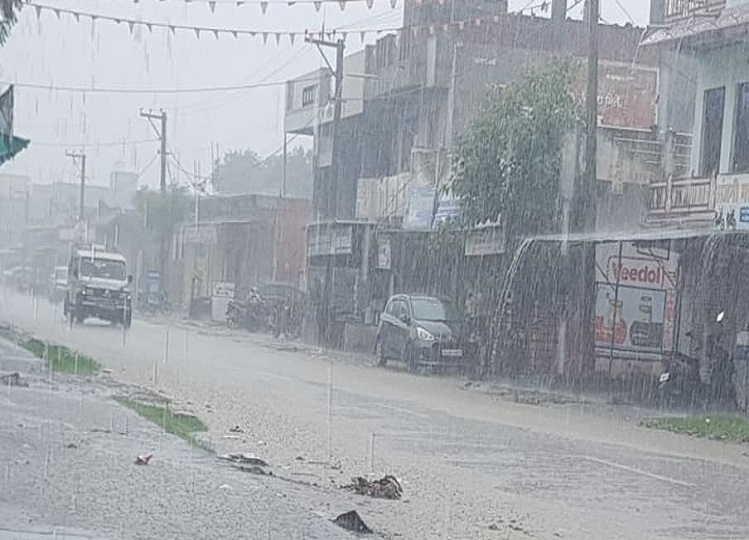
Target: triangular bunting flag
212,5
131,25
370,3
234,33
290,3
318,5
278,38
38,11
265,38
197,32
240,4
150,27
393,3
174,31
342,4
57,12
263,7
461,25
118,21
77,17
292,35
362,35
252,34
343,36
215,34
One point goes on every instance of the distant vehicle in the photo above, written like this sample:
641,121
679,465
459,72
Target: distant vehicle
422,331
99,286
58,283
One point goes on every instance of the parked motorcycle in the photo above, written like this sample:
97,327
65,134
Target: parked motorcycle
286,320
680,384
253,315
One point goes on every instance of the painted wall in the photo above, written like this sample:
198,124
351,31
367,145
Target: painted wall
727,67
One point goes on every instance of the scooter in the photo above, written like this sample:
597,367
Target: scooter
680,383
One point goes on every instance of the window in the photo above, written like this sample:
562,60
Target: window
309,94
741,130
712,130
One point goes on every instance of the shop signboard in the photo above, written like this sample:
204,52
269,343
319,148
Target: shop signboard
635,298
485,240
330,240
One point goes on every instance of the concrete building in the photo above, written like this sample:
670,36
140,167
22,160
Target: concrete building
710,39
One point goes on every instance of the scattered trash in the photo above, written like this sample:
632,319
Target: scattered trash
13,379
249,463
300,458
236,429
225,486
71,446
387,487
493,527
351,521
143,460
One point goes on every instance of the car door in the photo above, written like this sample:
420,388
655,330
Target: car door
401,327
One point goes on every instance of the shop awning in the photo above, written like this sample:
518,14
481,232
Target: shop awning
10,147
652,235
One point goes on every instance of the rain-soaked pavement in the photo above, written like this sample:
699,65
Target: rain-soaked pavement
471,465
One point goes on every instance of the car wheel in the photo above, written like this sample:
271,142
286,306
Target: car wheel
128,319
379,353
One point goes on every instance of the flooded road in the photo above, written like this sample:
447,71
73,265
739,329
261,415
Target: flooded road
471,466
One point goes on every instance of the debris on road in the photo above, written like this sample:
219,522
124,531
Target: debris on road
248,463
387,487
351,521
144,459
236,429
13,379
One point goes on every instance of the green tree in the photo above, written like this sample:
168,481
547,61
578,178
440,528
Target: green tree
508,161
8,17
161,213
245,171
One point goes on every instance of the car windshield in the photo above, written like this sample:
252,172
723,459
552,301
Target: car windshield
103,268
433,309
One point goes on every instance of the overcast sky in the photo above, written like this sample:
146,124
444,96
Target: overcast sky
64,53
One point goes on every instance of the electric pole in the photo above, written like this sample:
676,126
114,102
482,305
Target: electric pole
161,133
331,195
82,191
588,219
586,208
331,186
163,244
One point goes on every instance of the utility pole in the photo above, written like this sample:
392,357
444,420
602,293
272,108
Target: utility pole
161,133
82,191
588,219
285,165
331,196
586,210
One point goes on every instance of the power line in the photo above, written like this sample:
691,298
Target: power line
93,144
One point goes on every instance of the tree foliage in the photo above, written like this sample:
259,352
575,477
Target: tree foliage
246,172
8,17
161,213
508,161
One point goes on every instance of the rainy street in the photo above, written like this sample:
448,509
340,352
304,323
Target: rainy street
471,466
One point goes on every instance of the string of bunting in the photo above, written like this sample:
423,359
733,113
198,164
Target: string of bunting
265,34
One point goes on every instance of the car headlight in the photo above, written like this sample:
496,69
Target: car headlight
83,292
424,335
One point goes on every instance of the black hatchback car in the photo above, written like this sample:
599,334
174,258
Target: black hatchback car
421,331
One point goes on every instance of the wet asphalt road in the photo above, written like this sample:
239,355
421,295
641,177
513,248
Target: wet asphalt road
472,466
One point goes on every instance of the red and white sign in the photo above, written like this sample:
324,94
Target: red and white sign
635,298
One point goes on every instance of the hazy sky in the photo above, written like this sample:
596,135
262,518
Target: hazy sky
64,53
